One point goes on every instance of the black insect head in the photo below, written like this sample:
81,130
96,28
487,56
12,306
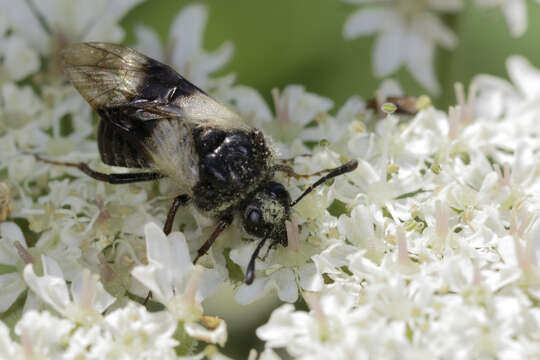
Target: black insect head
254,213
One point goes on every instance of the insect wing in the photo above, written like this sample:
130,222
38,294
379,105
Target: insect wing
147,108
115,76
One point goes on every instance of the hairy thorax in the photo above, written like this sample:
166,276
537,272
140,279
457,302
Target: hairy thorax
232,163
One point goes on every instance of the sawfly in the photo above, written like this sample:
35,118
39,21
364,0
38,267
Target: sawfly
154,120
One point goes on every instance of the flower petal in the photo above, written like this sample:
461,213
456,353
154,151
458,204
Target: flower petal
310,277
20,60
186,33
215,336
51,287
147,41
12,286
419,60
388,53
285,283
524,76
9,234
88,292
155,278
22,18
364,22
158,249
247,294
515,13
179,253
210,282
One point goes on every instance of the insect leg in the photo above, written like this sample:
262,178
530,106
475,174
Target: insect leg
110,178
289,171
273,244
148,297
290,160
222,225
340,170
178,201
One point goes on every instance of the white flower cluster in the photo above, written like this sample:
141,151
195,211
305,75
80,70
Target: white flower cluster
71,254
434,250
409,30
429,249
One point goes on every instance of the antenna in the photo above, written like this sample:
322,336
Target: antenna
250,272
343,169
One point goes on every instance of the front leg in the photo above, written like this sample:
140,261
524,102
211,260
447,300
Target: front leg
222,225
179,200
289,172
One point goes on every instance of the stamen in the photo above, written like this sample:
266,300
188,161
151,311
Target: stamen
282,107
193,284
441,219
24,254
314,303
88,292
403,251
293,241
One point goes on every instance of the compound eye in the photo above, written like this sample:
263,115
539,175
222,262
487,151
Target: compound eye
254,222
254,218
278,191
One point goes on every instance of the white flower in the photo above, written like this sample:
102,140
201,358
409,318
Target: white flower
364,228
408,34
514,11
171,275
19,59
43,335
335,129
88,297
136,333
184,50
246,101
127,333
10,349
12,246
334,328
267,354
286,270
294,109
51,24
176,282
525,77
429,249
18,105
217,335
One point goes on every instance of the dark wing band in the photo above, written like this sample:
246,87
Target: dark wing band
109,75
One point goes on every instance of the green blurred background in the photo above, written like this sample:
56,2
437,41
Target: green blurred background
282,42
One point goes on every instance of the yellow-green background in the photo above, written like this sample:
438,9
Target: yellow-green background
281,42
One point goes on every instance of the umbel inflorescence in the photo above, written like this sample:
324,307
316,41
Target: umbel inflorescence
427,250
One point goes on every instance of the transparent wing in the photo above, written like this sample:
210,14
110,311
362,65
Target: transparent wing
115,76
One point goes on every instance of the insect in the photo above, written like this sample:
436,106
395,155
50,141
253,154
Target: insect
154,120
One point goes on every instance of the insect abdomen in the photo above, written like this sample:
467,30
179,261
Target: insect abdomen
117,148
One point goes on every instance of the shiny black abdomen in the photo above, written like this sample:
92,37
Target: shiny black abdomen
231,163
